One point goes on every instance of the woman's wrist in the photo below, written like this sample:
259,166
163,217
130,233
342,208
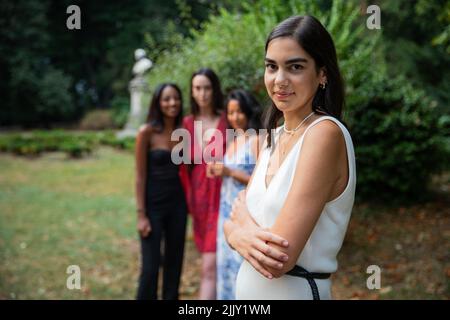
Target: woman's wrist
140,212
229,228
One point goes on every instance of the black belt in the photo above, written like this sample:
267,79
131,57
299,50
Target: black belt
298,271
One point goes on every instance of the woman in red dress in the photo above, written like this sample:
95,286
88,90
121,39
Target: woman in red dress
206,125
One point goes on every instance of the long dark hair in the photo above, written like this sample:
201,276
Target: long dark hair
155,116
249,106
311,35
217,91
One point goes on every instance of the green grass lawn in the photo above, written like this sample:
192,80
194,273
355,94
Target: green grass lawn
56,212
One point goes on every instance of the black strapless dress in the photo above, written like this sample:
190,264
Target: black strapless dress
163,188
166,209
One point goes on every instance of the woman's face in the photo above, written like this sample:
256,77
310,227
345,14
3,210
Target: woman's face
170,102
236,118
202,91
290,76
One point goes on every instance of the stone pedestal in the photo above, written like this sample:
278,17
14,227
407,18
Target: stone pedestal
138,112
138,87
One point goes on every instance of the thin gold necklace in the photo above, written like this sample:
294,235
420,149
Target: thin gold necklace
292,132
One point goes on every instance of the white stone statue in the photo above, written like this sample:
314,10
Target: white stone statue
137,87
143,64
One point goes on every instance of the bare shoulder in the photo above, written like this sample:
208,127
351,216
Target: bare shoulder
324,138
325,133
319,164
145,130
144,133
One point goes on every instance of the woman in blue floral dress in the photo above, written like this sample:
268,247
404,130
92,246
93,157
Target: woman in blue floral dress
243,115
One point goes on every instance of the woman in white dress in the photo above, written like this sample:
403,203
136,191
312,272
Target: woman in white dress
291,222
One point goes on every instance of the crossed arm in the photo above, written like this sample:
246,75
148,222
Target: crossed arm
275,251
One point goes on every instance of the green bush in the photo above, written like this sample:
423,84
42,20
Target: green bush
233,44
37,97
76,149
36,142
120,108
54,101
74,144
111,140
97,120
400,141
398,134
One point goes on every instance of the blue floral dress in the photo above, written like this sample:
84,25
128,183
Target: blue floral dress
228,261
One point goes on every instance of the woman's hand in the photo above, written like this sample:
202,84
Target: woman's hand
143,226
209,170
218,169
252,241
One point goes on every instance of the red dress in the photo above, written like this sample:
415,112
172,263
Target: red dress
204,194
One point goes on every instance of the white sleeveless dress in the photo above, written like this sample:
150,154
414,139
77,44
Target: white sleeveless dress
322,247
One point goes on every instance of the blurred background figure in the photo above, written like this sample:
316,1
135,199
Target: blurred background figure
206,108
243,112
160,200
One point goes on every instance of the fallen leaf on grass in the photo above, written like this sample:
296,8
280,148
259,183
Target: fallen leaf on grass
385,290
390,266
